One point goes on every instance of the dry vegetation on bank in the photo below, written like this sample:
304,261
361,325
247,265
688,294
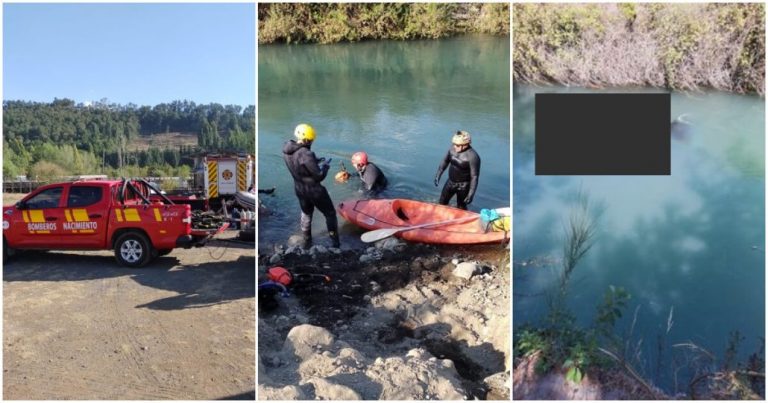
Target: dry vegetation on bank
351,22
676,46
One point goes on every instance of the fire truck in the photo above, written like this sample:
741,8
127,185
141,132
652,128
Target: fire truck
222,176
102,214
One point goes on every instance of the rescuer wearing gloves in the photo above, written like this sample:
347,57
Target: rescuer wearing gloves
308,171
463,174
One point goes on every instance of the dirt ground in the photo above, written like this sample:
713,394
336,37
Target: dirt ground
76,325
393,323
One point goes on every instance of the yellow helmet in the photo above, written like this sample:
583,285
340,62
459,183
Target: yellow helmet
304,132
461,138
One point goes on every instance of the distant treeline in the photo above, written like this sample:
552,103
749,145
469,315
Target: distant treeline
677,46
46,140
350,22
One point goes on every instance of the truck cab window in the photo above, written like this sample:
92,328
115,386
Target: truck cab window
48,198
81,196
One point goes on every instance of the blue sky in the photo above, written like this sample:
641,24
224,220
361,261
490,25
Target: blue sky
144,54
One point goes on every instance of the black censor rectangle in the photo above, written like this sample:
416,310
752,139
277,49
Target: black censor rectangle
603,134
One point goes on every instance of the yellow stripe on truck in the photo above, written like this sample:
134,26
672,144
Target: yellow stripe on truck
213,171
241,175
157,215
119,216
80,214
68,215
36,216
213,177
25,214
131,215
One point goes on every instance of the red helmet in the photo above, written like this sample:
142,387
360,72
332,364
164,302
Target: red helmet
359,158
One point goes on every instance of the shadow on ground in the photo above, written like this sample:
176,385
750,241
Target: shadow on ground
61,266
201,285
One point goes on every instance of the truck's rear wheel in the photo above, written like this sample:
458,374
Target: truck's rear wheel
133,249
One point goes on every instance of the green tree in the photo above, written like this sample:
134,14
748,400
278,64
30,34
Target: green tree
46,171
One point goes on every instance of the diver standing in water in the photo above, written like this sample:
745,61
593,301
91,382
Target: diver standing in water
373,179
308,172
463,174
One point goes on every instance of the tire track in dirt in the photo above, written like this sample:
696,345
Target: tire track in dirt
135,324
124,377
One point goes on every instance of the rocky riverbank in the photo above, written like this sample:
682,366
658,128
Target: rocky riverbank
395,321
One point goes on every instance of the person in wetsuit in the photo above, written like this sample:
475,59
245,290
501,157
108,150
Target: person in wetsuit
308,171
373,179
463,174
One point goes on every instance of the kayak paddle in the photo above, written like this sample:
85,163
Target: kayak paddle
379,234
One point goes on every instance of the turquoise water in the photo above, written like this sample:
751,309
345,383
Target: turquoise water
399,101
689,244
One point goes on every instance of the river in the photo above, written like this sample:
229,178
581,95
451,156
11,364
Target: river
688,247
400,102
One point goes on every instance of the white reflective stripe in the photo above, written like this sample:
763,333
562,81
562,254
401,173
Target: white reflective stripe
187,220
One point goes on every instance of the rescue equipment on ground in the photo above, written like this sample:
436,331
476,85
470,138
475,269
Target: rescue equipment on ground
280,275
495,219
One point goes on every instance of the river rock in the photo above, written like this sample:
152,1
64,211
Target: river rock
498,386
327,390
375,287
390,244
335,251
465,270
293,250
295,240
303,339
290,392
365,258
414,378
317,249
276,258
372,254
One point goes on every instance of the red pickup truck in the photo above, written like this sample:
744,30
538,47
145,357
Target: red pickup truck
102,214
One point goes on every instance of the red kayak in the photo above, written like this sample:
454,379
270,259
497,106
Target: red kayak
464,227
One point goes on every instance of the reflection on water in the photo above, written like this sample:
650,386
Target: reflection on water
399,101
691,241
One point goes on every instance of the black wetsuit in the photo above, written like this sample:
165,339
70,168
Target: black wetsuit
462,176
307,175
373,179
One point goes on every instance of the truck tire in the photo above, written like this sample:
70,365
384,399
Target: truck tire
133,249
7,251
